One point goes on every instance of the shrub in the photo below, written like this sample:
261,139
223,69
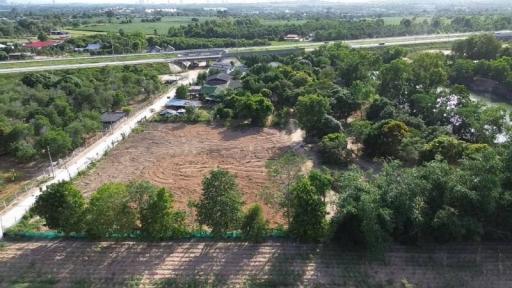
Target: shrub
62,207
254,226
110,212
333,149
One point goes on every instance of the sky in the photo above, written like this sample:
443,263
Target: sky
221,1
180,1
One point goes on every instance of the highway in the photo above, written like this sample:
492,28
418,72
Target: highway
201,53
79,162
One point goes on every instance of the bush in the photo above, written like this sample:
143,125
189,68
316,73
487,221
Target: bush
333,149
127,110
254,226
308,212
110,213
62,207
158,220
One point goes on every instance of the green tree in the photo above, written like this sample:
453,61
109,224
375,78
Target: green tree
255,107
57,141
395,80
42,36
110,212
429,71
344,104
333,149
254,226
158,220
62,207
220,205
478,47
385,138
450,148
284,171
462,71
311,110
308,212
321,181
4,56
182,92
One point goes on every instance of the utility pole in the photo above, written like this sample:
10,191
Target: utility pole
51,162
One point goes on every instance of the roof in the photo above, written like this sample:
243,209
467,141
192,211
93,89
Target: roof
235,84
274,64
93,46
111,117
183,103
208,90
221,76
41,44
168,112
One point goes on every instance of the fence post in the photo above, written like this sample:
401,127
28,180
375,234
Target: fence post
1,227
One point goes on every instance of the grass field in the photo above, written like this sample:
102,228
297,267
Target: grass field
149,28
138,26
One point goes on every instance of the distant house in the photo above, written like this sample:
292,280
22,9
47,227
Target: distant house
293,37
222,67
177,104
235,84
109,119
208,91
60,34
169,112
194,90
21,56
218,79
157,49
41,44
274,64
93,47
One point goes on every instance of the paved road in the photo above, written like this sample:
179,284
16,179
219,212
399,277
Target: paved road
361,43
11,216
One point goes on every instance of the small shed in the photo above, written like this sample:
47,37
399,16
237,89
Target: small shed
177,104
218,79
108,119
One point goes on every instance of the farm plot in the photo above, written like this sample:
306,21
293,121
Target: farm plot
178,156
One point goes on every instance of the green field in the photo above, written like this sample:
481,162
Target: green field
161,27
137,26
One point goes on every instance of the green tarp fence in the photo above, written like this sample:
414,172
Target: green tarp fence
53,235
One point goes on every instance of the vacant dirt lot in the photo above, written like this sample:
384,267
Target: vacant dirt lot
232,264
178,156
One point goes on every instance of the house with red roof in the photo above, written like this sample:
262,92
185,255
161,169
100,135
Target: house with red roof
41,44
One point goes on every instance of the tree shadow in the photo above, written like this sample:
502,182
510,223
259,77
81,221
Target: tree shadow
236,133
68,262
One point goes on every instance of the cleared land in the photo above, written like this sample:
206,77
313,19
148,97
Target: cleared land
178,156
231,264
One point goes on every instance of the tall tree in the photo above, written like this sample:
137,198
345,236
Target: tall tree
220,205
62,207
308,212
284,171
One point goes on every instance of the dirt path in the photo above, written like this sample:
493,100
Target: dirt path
271,264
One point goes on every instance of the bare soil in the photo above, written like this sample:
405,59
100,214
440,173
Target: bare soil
178,156
236,264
